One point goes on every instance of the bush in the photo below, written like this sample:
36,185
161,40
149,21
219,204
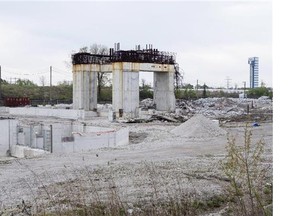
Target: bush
249,190
260,91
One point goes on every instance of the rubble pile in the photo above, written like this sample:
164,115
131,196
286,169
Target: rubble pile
147,103
104,107
224,107
199,127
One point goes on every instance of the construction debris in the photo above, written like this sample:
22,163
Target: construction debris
223,109
199,127
226,108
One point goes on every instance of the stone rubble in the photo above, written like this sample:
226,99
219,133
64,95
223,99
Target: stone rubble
223,107
213,108
199,127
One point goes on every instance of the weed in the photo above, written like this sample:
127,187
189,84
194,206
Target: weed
247,176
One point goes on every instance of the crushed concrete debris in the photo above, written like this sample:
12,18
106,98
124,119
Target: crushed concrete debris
147,103
164,117
224,107
160,152
228,109
199,127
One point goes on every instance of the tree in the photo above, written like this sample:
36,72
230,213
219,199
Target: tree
42,80
204,90
145,90
188,86
98,49
3,81
83,49
260,91
102,78
25,82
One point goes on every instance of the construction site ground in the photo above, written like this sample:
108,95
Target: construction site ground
157,163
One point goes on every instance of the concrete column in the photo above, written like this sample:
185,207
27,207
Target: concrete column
8,136
85,86
117,86
131,93
164,96
85,90
126,88
93,90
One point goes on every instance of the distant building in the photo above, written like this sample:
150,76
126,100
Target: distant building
254,71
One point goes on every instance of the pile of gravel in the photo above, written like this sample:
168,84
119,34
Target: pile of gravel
199,127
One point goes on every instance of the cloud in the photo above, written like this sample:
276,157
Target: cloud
213,65
212,39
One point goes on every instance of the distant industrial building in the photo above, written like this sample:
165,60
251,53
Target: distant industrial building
254,71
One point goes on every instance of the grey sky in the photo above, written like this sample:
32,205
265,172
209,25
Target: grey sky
212,39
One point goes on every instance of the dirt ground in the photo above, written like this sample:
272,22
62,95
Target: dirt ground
155,163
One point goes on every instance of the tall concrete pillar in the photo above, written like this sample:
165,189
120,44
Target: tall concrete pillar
164,96
93,90
85,86
125,94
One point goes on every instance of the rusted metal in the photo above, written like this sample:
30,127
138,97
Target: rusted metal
140,56
178,76
16,101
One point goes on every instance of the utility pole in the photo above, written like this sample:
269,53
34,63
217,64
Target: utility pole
244,89
228,81
197,88
50,84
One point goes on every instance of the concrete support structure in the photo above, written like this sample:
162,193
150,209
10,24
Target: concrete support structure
164,96
125,95
125,90
8,136
85,86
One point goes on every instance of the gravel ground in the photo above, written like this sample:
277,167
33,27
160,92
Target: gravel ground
155,163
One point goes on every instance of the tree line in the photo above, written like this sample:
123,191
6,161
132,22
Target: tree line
63,91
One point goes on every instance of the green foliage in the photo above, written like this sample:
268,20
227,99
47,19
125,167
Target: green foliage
145,90
187,86
26,88
260,91
25,82
186,92
248,192
4,82
204,91
106,94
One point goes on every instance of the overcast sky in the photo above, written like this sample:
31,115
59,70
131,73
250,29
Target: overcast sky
213,39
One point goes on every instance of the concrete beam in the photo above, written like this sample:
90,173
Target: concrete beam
126,66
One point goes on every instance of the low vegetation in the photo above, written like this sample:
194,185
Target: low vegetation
250,188
63,92
247,190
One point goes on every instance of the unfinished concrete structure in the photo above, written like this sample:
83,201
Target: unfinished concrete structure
125,67
32,138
